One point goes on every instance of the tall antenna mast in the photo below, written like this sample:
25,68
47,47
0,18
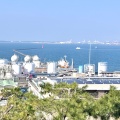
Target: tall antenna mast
89,53
89,62
65,57
72,64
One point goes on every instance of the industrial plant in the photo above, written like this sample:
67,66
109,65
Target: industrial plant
31,72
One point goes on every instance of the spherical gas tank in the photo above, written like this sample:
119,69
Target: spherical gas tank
27,58
14,58
16,68
29,67
35,58
3,61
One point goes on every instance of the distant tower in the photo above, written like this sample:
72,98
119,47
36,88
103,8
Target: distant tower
65,57
72,65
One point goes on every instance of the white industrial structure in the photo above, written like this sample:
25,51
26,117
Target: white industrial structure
6,71
14,58
36,61
28,67
89,69
3,62
27,58
16,68
102,67
51,67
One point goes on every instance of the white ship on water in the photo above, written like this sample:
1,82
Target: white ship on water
77,48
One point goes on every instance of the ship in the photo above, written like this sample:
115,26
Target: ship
77,48
63,63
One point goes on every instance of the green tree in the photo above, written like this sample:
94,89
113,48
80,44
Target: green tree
108,105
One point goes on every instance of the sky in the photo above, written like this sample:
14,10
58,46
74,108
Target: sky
59,20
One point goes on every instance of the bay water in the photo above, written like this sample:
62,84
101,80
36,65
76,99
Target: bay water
54,52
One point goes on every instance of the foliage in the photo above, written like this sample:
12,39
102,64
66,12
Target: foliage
108,105
74,103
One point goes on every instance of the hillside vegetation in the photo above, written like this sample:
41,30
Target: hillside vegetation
65,102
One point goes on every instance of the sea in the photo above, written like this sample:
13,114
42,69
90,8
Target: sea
55,52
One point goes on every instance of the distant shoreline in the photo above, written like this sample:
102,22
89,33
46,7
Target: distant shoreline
66,42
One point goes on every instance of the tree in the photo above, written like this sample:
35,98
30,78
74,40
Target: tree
77,105
108,105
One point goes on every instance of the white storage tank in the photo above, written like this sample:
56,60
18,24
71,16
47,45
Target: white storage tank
14,58
35,58
16,68
102,67
36,61
89,69
51,67
3,61
29,67
37,64
27,58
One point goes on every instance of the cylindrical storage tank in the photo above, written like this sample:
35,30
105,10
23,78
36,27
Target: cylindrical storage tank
89,69
37,64
51,67
29,67
102,67
80,69
16,68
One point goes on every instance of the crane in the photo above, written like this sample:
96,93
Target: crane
19,52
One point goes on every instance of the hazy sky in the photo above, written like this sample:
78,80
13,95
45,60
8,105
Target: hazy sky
60,20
